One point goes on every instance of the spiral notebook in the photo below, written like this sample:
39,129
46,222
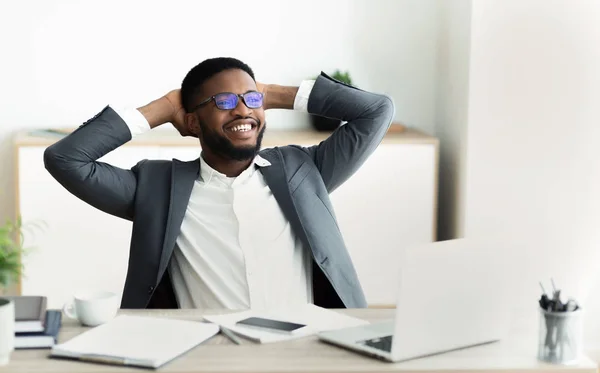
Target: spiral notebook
141,341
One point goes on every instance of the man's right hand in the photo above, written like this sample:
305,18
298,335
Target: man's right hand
167,109
177,112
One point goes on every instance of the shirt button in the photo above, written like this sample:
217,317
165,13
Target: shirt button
150,289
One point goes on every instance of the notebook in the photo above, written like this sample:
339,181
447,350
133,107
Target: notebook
45,339
316,318
142,341
30,312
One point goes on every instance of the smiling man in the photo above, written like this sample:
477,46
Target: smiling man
240,227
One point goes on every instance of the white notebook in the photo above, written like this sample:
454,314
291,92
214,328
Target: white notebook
316,318
142,341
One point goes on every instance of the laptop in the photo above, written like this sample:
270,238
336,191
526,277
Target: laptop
453,294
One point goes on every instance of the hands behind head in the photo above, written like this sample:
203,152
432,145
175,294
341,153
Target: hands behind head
177,115
263,89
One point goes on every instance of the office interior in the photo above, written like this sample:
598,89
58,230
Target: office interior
496,111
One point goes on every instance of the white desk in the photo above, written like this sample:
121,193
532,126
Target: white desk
308,355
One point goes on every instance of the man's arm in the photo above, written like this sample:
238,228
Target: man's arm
368,116
278,96
73,161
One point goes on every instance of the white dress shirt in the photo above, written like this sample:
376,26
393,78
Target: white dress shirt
236,249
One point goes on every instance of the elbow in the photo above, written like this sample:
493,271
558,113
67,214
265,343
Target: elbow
53,161
383,112
49,158
387,109
58,165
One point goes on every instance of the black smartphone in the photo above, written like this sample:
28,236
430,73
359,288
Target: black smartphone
272,325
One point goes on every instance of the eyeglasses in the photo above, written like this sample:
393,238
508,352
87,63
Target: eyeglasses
228,100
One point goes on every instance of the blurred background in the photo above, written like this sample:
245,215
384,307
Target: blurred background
507,92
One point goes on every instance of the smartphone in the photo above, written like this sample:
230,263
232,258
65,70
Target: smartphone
272,325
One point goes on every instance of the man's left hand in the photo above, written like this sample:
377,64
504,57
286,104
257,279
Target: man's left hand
264,88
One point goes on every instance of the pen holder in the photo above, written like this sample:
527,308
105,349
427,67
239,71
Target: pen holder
560,337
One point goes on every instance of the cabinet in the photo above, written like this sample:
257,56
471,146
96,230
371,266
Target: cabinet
388,204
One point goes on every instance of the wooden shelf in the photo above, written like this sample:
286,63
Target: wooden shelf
273,137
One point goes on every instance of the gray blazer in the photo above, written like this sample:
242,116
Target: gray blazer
154,194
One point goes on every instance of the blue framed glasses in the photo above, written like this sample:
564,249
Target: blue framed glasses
228,100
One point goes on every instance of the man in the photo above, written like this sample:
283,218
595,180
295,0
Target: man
239,227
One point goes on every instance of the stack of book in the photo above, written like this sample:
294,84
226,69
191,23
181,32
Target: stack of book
35,325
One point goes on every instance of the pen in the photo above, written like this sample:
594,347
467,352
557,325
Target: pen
231,336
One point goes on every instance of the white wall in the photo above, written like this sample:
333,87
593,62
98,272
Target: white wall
532,146
526,114
452,96
62,61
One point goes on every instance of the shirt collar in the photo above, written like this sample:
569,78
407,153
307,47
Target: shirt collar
207,173
261,162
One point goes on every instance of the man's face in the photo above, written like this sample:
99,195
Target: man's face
235,133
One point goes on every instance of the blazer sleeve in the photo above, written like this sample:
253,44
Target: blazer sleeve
368,116
73,162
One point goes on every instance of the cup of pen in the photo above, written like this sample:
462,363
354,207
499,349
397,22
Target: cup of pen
560,336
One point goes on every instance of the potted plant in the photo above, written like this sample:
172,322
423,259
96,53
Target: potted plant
329,124
11,249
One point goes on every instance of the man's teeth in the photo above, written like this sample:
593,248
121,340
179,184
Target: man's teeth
242,128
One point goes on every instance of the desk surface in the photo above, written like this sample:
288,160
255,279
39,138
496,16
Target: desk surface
304,355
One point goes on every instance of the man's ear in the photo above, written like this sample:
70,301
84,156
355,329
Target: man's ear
192,124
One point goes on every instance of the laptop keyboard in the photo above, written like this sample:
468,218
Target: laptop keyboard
380,343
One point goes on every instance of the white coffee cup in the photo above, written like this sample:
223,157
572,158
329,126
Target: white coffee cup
92,308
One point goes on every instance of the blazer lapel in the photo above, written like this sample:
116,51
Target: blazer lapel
183,176
276,179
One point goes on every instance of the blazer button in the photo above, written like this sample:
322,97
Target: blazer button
150,289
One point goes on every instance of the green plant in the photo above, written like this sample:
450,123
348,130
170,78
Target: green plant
343,77
11,251
11,248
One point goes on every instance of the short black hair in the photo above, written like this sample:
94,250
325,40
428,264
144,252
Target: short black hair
205,70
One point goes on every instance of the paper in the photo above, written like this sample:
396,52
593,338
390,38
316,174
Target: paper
317,318
137,340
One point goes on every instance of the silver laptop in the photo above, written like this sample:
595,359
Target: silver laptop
453,294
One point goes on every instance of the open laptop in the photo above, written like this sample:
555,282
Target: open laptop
453,294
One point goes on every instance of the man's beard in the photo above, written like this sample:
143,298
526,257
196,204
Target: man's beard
222,146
